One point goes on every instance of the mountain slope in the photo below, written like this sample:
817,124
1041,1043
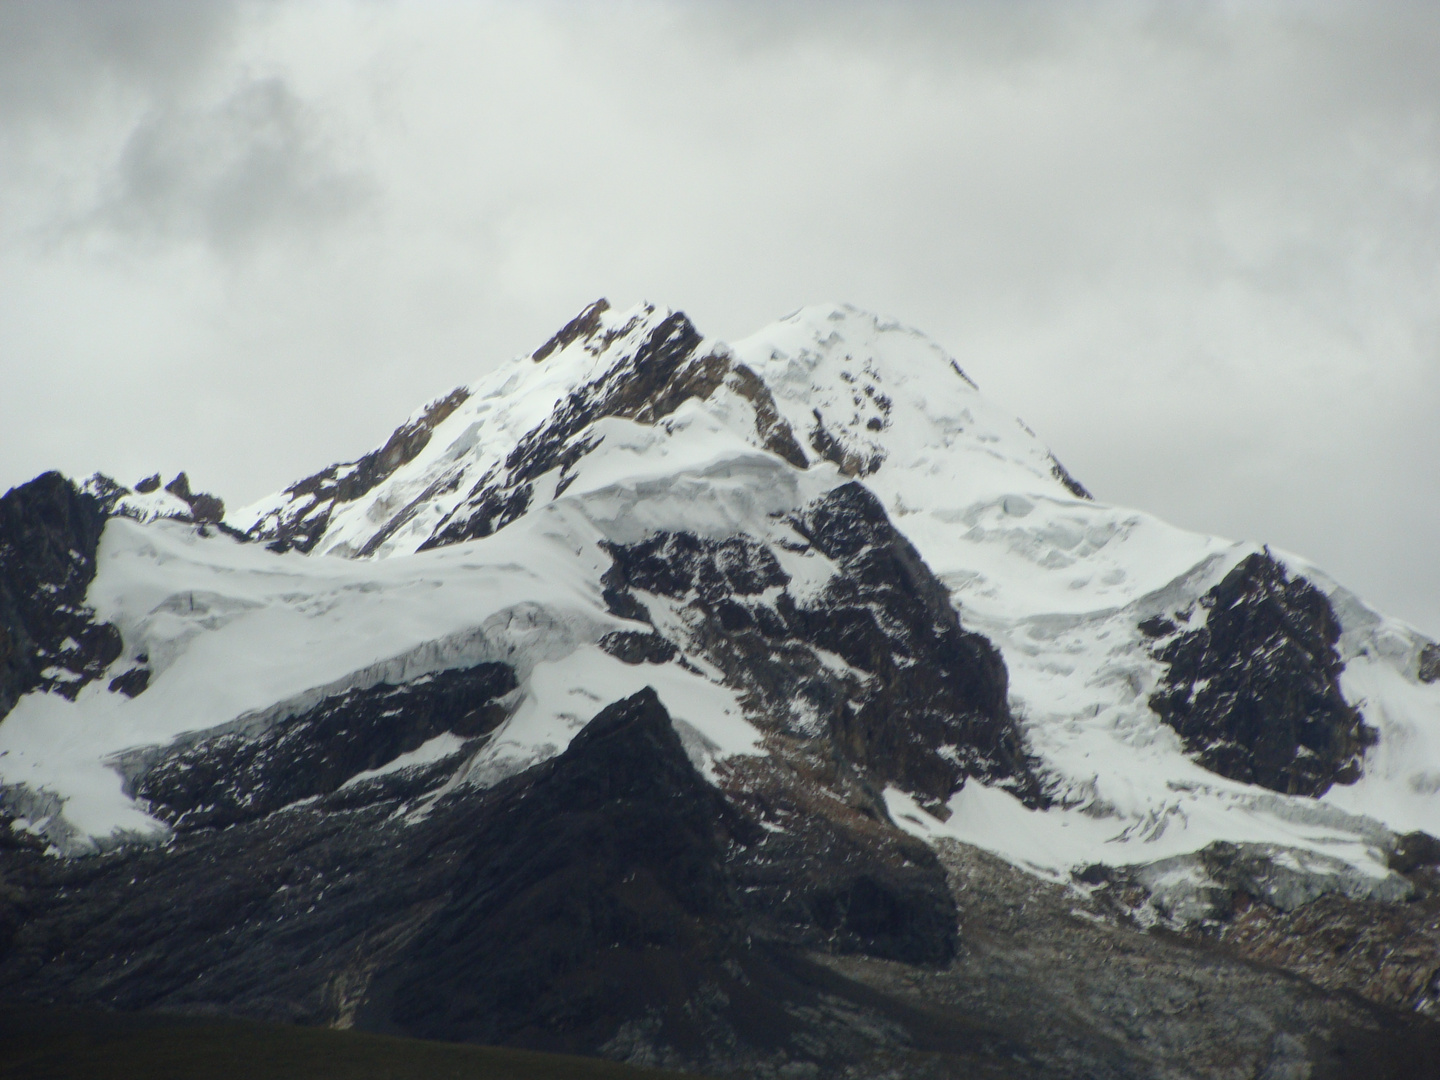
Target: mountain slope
853,622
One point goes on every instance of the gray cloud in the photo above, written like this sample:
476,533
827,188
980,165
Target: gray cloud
56,55
178,151
255,163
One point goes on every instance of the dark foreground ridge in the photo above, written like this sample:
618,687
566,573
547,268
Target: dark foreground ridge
592,892
64,1044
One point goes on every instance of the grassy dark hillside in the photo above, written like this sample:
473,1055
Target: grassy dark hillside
63,1045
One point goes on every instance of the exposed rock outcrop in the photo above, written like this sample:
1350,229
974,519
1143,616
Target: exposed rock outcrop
192,507
1429,664
918,702
49,639
1255,691
585,325
228,777
1071,484
204,509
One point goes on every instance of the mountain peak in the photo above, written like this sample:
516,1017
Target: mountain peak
819,385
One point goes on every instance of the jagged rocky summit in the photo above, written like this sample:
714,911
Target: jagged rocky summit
717,706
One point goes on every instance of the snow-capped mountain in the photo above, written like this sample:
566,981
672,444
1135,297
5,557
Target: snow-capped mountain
807,597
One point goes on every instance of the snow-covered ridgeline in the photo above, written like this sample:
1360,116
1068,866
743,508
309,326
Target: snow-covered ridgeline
472,441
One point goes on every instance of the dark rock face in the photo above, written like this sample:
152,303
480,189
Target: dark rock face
677,564
1429,668
584,325
228,778
924,704
301,525
1412,851
773,429
204,509
49,533
1071,484
636,648
850,460
887,615
843,882
131,683
108,492
1255,691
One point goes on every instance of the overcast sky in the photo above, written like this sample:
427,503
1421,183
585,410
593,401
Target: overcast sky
1195,246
